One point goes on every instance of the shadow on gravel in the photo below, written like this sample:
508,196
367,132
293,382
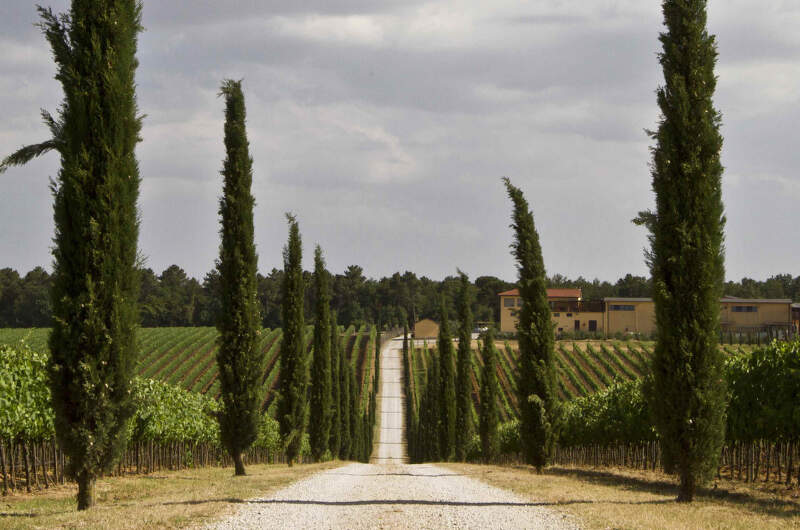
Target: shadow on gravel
771,505
402,475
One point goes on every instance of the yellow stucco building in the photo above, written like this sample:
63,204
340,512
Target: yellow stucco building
637,315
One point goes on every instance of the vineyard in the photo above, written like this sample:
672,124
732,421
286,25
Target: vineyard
175,394
583,367
606,417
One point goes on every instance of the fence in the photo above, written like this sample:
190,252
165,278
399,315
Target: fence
28,466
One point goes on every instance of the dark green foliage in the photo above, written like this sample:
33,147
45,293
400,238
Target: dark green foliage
293,404
356,431
240,361
336,388
447,385
321,401
490,393
95,281
686,257
464,368
536,379
344,406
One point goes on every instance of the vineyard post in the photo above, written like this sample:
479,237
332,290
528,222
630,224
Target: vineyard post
3,464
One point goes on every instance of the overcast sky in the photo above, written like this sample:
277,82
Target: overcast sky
386,126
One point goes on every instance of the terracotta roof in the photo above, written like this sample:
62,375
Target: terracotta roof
551,293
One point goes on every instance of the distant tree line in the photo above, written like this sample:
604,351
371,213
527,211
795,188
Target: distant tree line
173,298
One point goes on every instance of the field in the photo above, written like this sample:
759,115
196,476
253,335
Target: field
186,357
583,367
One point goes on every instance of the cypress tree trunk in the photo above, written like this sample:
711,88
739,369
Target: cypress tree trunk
86,484
240,361
293,406
536,383
489,417
95,282
464,366
447,374
336,389
686,257
320,423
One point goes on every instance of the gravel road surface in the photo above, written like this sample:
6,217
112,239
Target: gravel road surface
393,496
388,493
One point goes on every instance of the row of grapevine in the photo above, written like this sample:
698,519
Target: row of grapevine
614,427
171,428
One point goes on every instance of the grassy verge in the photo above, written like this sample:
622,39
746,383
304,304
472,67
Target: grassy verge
174,499
638,499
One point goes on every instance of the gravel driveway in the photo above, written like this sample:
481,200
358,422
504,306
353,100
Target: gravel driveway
393,496
389,493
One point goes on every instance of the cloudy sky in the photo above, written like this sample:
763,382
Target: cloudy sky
386,126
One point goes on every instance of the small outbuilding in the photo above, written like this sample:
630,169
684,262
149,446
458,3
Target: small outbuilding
426,329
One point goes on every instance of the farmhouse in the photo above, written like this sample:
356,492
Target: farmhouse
637,315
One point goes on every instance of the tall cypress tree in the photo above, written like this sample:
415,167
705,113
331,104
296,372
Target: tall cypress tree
447,375
95,280
464,368
345,399
355,427
687,257
490,391
320,424
336,389
240,361
536,383
293,405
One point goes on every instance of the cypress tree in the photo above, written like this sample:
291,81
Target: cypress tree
336,389
293,405
344,378
321,404
464,366
490,390
447,375
686,258
433,423
355,431
240,361
536,382
95,280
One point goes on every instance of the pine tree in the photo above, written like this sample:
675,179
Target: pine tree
240,361
95,280
320,424
336,389
447,374
490,391
346,399
686,258
539,408
293,405
464,368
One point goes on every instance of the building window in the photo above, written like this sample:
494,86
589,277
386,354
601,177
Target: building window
593,325
745,309
569,314
621,308
519,302
508,302
556,314
514,313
